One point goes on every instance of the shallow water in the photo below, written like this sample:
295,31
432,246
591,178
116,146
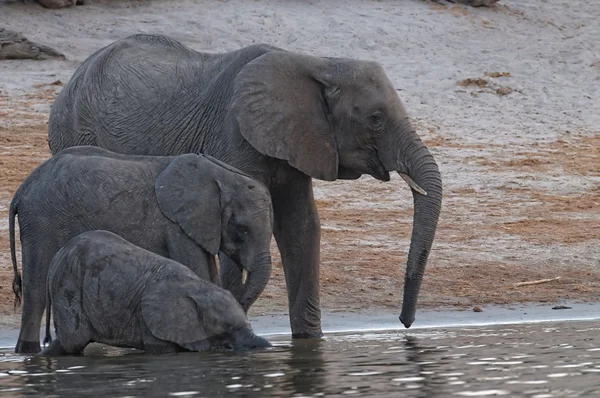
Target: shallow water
559,359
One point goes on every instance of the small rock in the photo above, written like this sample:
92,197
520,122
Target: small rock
497,74
14,45
561,307
477,309
504,90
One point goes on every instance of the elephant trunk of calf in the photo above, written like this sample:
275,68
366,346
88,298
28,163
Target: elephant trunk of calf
413,161
258,277
247,340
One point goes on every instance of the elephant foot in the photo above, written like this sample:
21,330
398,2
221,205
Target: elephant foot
309,326
27,347
308,335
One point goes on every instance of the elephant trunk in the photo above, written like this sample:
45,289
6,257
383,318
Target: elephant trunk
413,161
259,274
247,340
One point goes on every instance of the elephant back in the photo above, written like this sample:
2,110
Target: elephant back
114,274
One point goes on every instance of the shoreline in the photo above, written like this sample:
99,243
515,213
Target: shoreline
276,326
350,322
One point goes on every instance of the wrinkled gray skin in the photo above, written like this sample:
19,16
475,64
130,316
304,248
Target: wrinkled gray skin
279,116
104,289
186,208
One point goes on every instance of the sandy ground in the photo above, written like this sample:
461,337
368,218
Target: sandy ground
505,97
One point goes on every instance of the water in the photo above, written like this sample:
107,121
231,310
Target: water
554,359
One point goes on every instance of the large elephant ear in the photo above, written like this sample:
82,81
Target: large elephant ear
280,105
189,196
169,312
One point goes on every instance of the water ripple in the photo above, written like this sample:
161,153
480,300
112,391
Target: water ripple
475,362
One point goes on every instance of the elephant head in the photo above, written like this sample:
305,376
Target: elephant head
199,315
220,208
339,118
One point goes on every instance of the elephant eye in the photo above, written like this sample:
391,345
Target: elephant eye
241,233
376,119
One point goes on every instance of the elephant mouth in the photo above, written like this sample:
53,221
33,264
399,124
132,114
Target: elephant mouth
236,258
377,170
345,173
354,168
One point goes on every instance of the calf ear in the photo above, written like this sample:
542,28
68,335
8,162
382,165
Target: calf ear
189,196
169,311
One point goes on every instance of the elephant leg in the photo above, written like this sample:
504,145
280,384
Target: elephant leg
31,318
35,270
231,276
185,251
297,232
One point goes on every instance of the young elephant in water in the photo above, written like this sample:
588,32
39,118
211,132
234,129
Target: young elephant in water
104,289
186,208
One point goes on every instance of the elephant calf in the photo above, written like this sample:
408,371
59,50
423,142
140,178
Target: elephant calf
104,289
186,208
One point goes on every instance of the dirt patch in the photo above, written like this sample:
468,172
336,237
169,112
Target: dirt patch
498,74
577,155
467,283
544,231
473,81
486,86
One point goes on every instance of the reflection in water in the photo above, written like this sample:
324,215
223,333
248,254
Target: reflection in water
538,361
305,372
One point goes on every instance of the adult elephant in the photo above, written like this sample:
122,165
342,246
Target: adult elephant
280,116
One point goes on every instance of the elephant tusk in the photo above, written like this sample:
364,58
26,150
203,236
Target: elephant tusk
412,184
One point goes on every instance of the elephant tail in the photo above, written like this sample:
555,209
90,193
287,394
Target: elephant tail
48,337
17,281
